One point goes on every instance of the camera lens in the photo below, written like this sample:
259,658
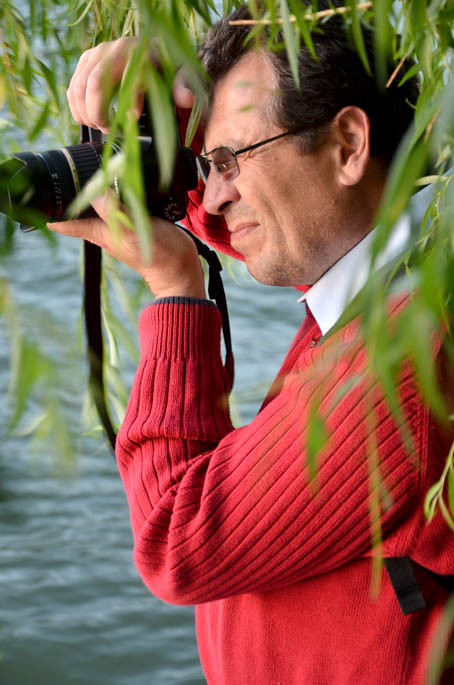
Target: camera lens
47,182
39,187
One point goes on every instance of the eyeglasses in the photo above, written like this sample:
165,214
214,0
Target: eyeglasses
224,159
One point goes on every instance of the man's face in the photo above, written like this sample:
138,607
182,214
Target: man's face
284,208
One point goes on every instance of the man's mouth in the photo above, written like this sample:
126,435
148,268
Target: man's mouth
242,230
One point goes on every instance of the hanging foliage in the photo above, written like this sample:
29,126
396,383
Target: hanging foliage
40,43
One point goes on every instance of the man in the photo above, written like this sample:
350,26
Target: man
279,562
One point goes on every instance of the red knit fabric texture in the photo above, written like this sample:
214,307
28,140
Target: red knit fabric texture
273,542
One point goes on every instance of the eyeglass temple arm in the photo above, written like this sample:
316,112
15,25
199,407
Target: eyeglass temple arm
262,142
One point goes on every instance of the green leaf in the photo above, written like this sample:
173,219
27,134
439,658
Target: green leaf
194,120
413,71
40,122
50,79
290,42
317,436
3,89
304,25
406,169
164,125
204,12
30,366
451,489
27,74
382,36
418,15
358,35
431,500
87,6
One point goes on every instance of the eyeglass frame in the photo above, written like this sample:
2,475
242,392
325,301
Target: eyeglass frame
235,153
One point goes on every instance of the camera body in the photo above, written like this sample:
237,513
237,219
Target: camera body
39,187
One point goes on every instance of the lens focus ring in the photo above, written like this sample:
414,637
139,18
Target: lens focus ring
87,160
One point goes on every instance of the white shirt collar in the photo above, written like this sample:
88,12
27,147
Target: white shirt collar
330,295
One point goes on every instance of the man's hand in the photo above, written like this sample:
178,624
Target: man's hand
97,75
173,268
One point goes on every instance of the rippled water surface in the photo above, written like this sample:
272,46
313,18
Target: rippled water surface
73,609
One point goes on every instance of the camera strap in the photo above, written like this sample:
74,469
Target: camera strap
216,292
93,332
93,324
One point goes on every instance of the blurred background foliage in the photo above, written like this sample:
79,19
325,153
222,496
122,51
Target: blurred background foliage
40,43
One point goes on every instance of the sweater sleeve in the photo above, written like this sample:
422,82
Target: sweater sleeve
218,511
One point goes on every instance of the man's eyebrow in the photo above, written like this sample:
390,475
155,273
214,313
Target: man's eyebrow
234,144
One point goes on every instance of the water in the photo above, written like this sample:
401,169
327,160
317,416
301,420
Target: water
73,609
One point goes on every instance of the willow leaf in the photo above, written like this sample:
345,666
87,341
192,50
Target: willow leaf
446,513
133,175
303,25
413,71
406,169
317,437
164,124
40,122
227,6
3,89
203,11
194,120
30,366
451,489
419,342
382,36
87,6
431,499
418,16
49,77
358,35
290,41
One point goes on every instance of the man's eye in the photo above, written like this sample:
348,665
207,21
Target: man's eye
222,167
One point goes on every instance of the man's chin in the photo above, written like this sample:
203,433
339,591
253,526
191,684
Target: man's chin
270,274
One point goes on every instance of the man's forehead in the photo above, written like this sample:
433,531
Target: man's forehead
247,84
242,93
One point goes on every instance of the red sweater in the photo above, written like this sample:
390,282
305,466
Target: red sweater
279,563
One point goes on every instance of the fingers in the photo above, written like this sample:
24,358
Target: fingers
86,229
97,76
105,204
95,79
182,95
171,268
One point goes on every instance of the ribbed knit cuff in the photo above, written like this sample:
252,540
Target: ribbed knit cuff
180,328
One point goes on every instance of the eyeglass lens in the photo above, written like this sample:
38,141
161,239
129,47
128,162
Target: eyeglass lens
223,161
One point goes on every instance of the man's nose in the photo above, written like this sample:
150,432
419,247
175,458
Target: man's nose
219,194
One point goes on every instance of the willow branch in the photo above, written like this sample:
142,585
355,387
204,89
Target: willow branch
396,70
309,16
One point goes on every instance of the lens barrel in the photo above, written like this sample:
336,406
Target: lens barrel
56,177
39,187
69,169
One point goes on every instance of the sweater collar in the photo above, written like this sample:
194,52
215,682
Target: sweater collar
332,293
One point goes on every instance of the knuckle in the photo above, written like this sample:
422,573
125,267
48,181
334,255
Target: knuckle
78,90
95,79
84,58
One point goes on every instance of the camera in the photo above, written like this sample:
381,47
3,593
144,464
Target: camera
39,187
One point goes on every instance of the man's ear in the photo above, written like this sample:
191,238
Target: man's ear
351,128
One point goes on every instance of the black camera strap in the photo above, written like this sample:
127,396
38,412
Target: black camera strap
216,292
93,324
93,331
